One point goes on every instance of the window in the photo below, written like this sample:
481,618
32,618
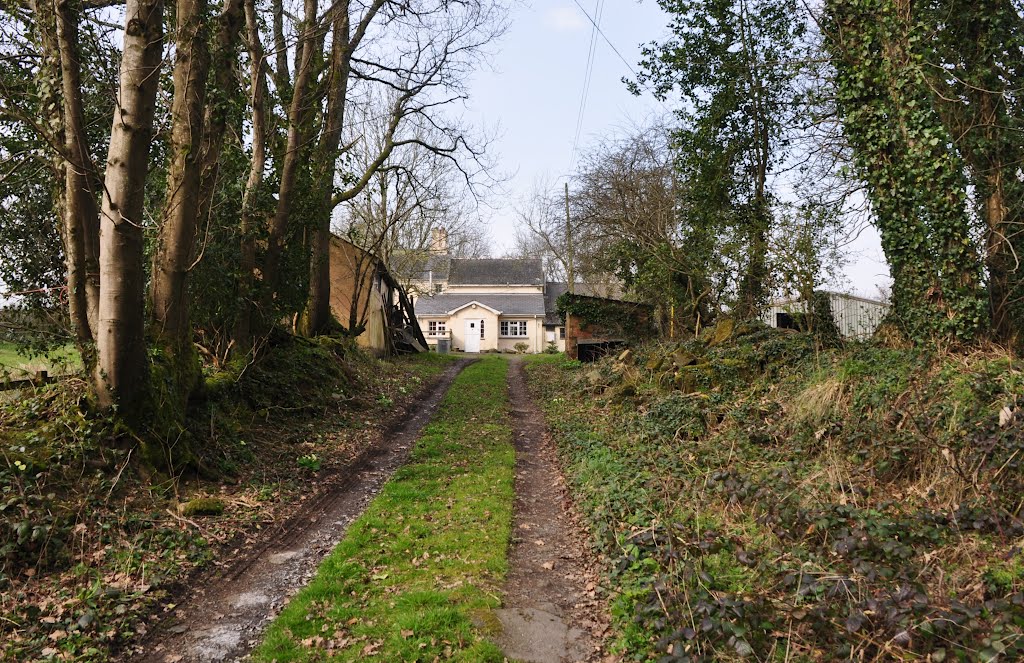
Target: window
561,333
438,288
513,327
481,329
435,327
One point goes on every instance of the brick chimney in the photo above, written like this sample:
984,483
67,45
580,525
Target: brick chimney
439,241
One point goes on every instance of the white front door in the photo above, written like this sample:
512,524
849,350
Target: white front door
472,336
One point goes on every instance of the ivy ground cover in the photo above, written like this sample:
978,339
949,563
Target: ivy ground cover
759,498
94,546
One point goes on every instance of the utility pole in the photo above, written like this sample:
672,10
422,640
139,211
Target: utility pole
570,259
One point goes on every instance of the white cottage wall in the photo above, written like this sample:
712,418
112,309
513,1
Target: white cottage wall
457,323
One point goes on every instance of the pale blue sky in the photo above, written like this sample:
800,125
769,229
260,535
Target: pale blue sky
533,98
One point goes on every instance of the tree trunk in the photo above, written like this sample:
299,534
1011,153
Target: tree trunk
120,377
242,333
999,259
990,142
178,227
74,203
297,114
282,77
916,181
757,222
81,213
224,60
317,316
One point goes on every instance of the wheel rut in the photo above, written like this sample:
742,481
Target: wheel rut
551,612
225,613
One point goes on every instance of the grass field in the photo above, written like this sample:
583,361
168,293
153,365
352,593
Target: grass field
427,557
15,364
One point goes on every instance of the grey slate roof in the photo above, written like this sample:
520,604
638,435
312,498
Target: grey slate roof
496,271
552,291
430,267
439,265
508,304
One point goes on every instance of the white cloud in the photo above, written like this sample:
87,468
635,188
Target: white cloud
564,19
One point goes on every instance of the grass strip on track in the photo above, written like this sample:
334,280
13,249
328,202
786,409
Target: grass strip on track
429,553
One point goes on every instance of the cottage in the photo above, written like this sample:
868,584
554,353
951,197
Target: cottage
486,305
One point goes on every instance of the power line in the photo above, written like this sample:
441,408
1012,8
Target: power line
597,28
587,78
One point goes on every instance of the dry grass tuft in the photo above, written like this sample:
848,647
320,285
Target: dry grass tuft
819,402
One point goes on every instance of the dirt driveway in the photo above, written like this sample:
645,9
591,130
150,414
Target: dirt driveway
551,611
223,616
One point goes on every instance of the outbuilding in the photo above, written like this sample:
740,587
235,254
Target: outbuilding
856,317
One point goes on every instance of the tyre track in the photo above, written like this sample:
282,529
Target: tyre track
551,613
224,615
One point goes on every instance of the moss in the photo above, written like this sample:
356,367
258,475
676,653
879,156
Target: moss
281,379
486,622
1006,576
203,506
726,573
219,383
721,332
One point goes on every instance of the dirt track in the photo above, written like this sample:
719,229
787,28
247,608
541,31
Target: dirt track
224,615
551,613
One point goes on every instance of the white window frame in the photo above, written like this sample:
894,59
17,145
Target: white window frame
436,328
521,328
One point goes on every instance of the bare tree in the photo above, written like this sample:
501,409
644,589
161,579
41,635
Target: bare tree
546,229
623,193
421,195
419,53
438,43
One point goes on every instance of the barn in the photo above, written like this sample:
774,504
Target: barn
856,317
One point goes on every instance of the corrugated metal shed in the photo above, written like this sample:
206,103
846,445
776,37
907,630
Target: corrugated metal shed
856,317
